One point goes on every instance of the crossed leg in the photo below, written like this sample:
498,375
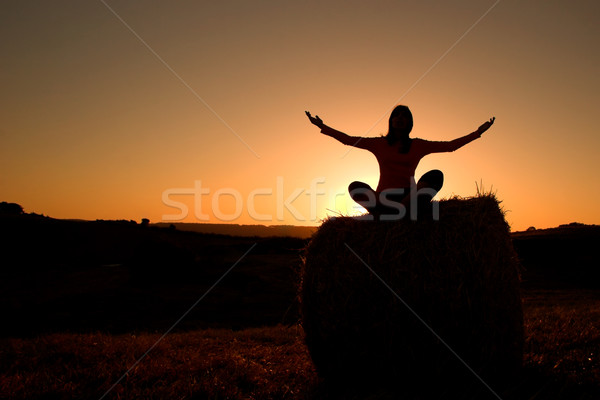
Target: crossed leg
380,204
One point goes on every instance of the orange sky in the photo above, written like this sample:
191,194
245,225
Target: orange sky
94,124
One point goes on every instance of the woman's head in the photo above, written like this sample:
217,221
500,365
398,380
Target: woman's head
401,121
400,125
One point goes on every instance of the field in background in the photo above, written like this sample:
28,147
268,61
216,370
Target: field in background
82,301
302,232
561,360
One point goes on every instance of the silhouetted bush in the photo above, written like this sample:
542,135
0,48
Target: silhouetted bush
10,208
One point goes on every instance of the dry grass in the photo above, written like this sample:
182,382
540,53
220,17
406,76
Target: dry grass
267,363
562,360
563,334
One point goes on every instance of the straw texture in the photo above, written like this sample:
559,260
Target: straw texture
460,274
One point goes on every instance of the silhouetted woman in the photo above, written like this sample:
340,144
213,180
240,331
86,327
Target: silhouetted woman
398,156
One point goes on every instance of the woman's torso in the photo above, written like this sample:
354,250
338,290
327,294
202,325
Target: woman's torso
396,169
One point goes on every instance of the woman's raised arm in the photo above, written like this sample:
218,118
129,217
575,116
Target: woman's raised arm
326,130
442,147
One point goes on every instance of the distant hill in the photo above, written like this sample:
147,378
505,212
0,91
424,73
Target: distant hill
571,229
121,276
302,232
566,254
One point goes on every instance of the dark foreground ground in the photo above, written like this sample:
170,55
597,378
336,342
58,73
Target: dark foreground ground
83,301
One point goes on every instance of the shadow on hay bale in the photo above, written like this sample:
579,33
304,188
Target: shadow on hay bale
460,274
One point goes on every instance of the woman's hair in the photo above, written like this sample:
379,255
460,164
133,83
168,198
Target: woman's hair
401,135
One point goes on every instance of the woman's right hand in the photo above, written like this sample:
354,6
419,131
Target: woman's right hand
485,126
315,120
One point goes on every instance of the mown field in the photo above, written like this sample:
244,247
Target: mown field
83,303
561,360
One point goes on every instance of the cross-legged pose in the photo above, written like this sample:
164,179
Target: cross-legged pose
398,156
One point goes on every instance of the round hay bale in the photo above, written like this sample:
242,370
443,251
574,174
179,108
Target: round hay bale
362,280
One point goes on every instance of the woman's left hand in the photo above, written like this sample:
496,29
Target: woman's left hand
485,126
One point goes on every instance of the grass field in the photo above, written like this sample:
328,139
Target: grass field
82,302
561,360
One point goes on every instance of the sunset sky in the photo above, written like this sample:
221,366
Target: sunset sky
109,107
